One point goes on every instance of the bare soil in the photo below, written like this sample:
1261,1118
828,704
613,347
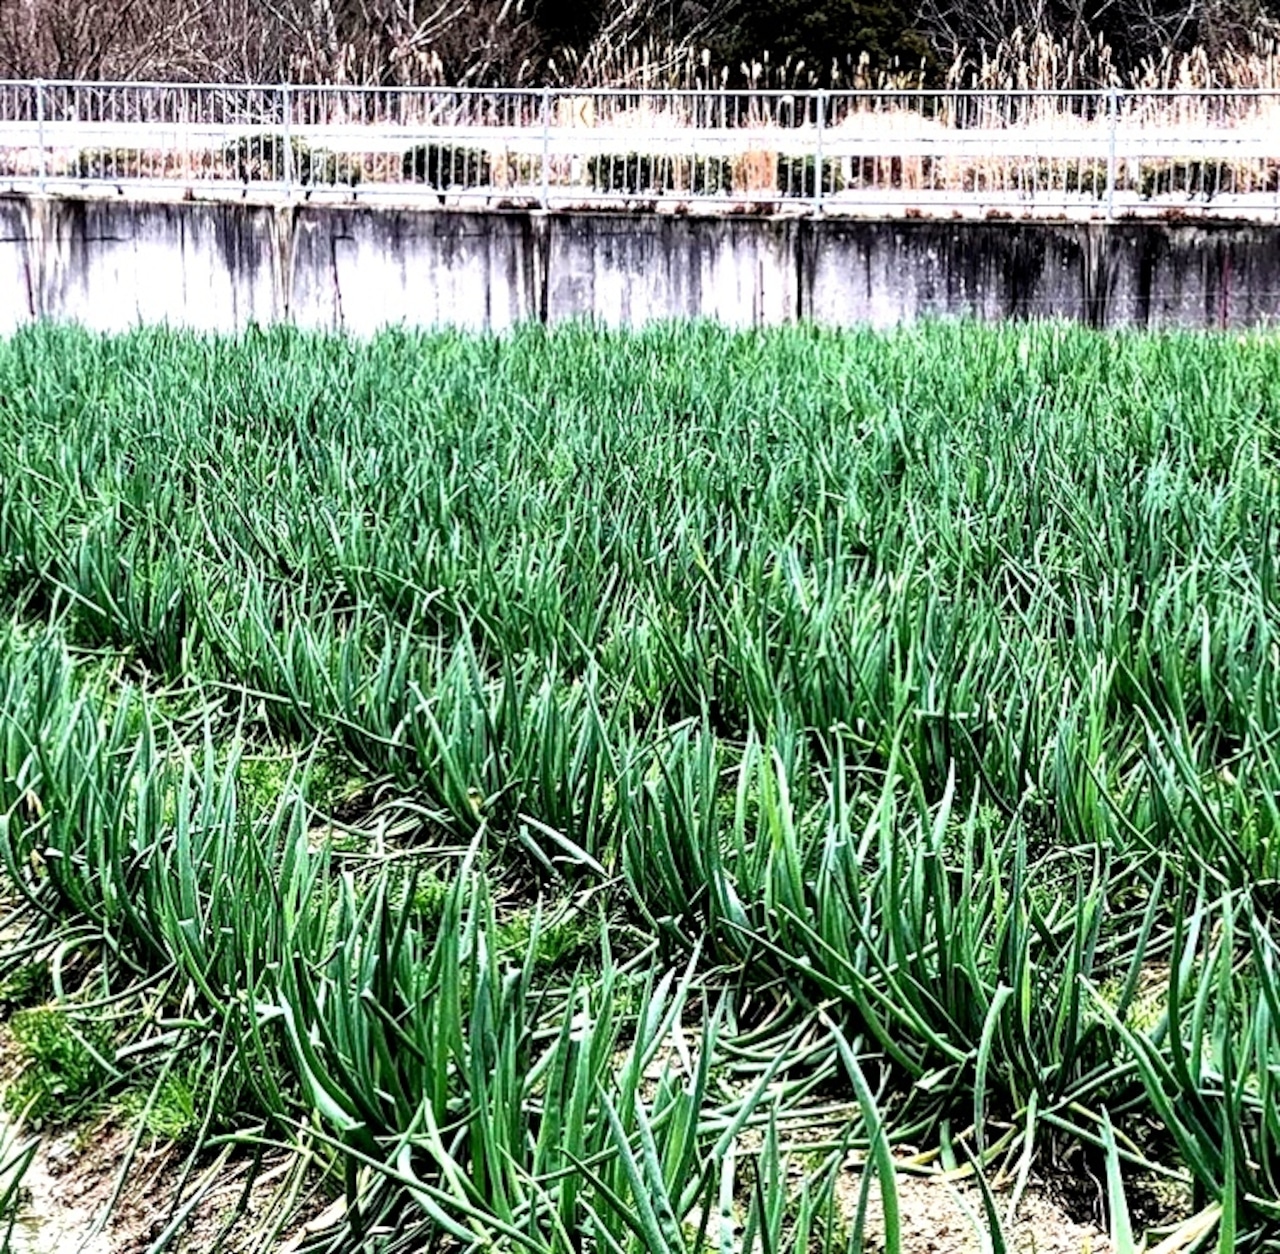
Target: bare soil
939,1216
72,1204
73,1180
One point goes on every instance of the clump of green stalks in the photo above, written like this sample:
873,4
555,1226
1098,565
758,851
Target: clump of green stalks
920,687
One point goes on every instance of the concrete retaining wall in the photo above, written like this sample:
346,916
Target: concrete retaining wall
111,264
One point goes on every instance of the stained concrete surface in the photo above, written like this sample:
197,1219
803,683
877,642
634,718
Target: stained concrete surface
223,266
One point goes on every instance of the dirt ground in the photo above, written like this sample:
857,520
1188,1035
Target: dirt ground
72,1183
939,1217
71,1201
74,1177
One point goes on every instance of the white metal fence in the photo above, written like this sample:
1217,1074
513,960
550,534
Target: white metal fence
1087,154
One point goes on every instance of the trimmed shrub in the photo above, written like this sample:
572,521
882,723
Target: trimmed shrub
641,174
443,166
1090,178
336,169
261,158
121,163
899,173
1188,178
796,176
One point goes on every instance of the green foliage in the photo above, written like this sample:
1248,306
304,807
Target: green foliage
263,781
641,174
1087,177
121,163
1203,179
15,1158
797,177
331,784
268,157
26,984
59,1070
445,166
827,32
925,682
335,169
430,896
561,935
172,1113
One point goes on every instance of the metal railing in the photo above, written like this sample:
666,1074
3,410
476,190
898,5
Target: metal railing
1015,153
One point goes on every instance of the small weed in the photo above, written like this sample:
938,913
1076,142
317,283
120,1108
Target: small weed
562,935
59,1071
175,1112
429,897
25,986
261,782
331,784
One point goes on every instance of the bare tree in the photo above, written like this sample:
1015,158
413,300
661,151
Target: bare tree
636,42
1140,35
97,38
642,43
375,41
339,41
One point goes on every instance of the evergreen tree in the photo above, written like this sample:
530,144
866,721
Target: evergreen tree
826,32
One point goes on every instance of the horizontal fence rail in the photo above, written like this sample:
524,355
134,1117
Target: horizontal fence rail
1081,154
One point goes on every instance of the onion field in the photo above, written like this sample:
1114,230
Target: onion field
654,791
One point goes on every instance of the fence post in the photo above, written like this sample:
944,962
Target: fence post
287,100
41,167
821,105
546,148
1113,118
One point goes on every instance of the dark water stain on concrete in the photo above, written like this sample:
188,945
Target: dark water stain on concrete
498,266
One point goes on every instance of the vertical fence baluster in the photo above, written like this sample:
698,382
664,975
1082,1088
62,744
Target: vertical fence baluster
546,148
820,104
41,166
1113,118
286,101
